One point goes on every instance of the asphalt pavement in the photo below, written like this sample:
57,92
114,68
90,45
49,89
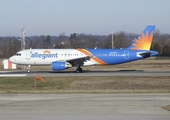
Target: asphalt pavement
84,106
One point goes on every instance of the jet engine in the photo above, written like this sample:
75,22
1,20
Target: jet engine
59,65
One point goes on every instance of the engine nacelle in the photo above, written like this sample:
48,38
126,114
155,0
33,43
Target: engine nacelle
59,65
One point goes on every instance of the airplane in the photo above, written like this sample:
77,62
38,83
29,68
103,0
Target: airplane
61,59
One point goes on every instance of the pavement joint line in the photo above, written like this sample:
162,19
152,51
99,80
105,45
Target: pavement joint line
87,105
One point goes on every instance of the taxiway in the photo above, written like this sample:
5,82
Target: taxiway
87,73
84,106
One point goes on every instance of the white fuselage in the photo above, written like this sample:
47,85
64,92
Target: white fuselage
46,57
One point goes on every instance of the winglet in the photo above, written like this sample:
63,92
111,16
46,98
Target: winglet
144,40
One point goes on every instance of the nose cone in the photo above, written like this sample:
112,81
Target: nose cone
12,59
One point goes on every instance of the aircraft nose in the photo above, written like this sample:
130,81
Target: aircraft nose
12,59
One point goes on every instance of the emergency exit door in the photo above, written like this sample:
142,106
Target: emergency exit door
126,54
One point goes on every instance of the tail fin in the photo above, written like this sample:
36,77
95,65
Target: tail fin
144,41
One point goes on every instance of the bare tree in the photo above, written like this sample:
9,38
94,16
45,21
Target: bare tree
10,47
82,41
119,39
47,41
75,41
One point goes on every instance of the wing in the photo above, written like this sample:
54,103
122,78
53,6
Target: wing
76,61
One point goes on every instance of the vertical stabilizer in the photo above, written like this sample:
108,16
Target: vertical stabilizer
144,40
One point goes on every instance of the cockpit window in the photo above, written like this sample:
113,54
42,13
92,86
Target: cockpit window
18,54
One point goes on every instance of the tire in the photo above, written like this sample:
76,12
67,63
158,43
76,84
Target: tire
28,71
79,70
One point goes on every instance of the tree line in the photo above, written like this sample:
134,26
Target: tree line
10,45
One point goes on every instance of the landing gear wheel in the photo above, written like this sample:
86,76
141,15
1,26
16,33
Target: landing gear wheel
79,70
28,71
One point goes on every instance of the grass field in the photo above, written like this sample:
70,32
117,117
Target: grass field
109,84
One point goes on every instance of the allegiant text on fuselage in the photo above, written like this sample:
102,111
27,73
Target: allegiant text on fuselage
43,56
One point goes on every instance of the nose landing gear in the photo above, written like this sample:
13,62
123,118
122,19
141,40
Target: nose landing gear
29,69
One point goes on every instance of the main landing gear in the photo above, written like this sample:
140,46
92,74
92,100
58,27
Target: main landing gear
79,70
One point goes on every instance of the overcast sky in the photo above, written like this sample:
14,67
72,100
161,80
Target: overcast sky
96,17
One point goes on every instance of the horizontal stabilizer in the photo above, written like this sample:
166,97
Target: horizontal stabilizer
145,55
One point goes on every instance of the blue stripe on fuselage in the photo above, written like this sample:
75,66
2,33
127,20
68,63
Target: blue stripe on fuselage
116,56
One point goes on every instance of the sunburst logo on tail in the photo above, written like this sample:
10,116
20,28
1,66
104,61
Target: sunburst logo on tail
143,42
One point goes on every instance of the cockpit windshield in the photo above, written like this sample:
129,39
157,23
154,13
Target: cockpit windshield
18,54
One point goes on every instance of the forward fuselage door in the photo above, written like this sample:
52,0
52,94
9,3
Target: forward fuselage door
28,55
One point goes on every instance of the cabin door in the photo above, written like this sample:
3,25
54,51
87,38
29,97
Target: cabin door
28,55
